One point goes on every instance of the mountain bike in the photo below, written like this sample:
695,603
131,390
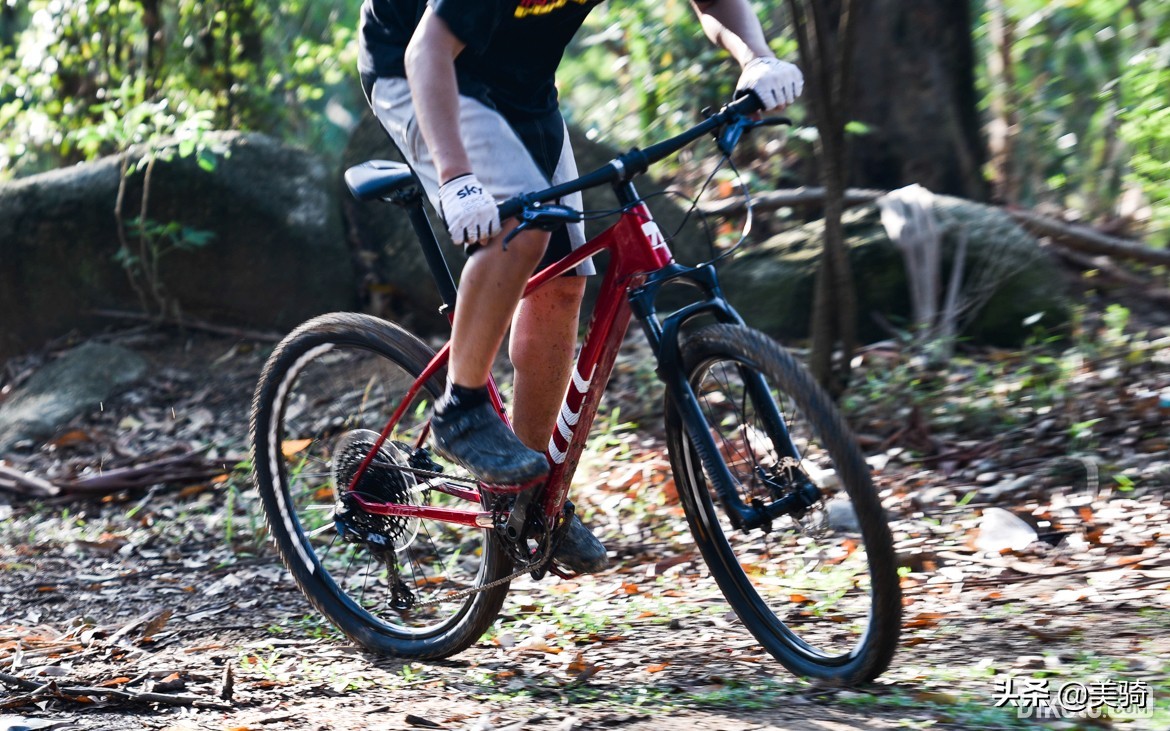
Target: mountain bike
408,555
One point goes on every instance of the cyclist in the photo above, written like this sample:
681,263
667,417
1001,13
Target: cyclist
466,90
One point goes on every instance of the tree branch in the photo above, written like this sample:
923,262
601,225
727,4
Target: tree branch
1087,240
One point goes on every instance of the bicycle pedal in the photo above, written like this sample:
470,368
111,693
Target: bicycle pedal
561,573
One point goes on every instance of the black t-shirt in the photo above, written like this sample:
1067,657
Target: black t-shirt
513,46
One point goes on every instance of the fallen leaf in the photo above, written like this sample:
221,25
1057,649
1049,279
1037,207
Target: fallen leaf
928,696
923,620
578,664
291,447
69,438
193,490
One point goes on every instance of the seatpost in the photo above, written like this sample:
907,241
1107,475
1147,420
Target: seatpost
434,255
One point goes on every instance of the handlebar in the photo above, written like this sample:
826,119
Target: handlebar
735,117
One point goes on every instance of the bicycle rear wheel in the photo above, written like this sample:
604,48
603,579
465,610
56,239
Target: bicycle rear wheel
820,592
385,582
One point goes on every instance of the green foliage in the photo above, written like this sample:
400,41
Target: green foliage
1091,97
82,78
1145,126
641,70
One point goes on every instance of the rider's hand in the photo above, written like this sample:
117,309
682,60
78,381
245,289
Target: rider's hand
470,213
776,83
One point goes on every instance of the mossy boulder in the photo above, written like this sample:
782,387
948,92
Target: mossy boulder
276,253
772,283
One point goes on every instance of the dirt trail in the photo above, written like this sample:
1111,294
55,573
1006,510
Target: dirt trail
175,591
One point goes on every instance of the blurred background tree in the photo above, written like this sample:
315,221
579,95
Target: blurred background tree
71,70
1070,96
1073,102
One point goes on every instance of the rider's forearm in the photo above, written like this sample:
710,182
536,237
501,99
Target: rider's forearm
733,25
430,71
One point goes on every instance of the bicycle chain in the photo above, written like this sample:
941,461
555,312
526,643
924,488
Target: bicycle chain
527,568
535,565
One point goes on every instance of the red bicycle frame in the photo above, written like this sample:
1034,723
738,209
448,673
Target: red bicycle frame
637,248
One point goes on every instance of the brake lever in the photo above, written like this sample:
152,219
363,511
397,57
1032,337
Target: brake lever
769,122
733,132
546,217
524,226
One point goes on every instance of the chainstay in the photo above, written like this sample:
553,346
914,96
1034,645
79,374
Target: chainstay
531,566
463,593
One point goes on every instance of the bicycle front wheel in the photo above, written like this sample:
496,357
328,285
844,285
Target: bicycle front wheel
818,589
393,585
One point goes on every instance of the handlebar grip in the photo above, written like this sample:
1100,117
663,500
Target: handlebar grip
511,207
746,104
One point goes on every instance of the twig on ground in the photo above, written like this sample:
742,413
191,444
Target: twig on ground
39,692
1132,282
1087,240
790,198
183,468
186,467
226,684
25,484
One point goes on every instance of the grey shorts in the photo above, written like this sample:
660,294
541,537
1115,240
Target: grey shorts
498,156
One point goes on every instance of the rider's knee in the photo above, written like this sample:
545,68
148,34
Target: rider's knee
525,249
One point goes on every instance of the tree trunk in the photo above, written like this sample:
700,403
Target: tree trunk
826,36
7,29
1004,106
915,89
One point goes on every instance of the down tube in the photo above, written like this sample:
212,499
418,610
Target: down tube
591,373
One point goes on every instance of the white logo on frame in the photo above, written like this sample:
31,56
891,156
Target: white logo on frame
652,232
568,418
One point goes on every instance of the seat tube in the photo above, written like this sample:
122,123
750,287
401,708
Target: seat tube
433,254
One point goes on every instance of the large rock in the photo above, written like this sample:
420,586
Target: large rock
772,283
68,387
399,284
277,255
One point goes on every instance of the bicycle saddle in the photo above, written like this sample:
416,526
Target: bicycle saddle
382,179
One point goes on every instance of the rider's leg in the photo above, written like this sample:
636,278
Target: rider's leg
466,430
544,337
491,284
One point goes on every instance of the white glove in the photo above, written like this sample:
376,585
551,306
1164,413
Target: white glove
470,213
777,83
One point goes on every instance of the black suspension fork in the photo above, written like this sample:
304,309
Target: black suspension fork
665,339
